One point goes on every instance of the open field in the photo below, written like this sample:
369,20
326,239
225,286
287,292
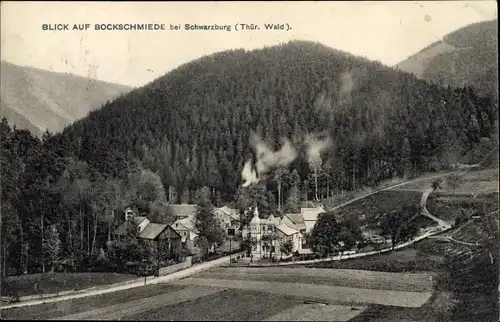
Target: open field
369,208
475,181
420,282
47,283
449,208
63,308
229,305
405,260
337,199
269,294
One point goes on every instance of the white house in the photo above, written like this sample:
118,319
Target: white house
270,233
285,233
186,228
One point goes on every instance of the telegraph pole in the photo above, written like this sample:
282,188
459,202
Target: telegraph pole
230,232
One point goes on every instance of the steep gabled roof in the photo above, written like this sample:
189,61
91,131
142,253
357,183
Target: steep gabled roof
122,229
288,231
188,223
297,219
286,221
178,226
152,231
233,213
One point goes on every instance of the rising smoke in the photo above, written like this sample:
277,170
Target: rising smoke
315,145
267,160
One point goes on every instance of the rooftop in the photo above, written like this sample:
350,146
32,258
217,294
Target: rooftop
188,223
311,214
152,231
234,213
286,230
297,219
122,229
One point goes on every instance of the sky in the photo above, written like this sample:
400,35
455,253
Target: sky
385,31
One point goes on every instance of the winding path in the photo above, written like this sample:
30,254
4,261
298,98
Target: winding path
423,206
399,185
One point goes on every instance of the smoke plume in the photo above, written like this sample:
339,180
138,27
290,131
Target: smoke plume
315,145
266,160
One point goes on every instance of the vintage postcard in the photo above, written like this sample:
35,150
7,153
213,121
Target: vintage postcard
262,161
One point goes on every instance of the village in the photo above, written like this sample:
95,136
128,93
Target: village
278,172
265,237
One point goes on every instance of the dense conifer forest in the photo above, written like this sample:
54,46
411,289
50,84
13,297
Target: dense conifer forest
188,133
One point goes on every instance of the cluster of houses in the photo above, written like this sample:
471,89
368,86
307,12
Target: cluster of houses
182,233
281,229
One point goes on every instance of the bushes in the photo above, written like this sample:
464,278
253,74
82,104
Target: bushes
472,278
8,288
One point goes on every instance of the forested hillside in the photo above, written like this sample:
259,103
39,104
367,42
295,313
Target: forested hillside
349,121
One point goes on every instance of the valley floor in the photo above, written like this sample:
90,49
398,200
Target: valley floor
235,293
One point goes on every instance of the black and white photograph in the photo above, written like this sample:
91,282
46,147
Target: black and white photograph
249,161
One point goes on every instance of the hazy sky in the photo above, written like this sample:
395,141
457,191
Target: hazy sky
385,31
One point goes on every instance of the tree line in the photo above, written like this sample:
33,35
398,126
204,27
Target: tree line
189,130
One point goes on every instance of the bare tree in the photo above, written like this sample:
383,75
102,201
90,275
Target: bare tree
52,244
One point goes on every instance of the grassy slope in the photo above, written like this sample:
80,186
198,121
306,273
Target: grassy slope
378,204
49,283
481,181
59,309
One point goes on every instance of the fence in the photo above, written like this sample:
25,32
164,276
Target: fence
176,267
342,257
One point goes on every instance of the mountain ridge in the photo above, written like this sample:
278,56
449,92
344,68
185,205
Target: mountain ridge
39,100
467,56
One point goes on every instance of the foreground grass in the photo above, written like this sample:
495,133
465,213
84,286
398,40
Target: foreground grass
228,305
63,308
347,278
47,283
